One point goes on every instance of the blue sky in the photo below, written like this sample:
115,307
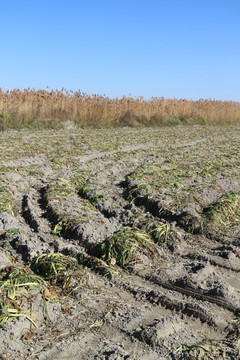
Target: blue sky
176,49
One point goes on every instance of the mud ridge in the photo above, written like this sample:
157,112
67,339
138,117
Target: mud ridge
28,213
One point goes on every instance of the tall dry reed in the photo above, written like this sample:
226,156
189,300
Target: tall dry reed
43,108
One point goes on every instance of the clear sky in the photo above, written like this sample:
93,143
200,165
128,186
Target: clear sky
172,48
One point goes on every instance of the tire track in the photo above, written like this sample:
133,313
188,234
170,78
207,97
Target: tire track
197,294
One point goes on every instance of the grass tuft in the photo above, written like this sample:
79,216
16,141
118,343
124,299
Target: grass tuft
124,246
16,284
225,211
54,267
161,233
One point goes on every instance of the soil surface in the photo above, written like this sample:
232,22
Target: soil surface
151,218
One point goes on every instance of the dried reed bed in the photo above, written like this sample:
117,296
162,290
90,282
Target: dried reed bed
50,109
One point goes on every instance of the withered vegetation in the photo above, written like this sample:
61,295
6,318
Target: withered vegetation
32,108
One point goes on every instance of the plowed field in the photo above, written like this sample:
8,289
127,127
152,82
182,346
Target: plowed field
120,243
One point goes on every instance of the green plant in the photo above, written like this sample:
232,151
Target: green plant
161,233
191,223
100,266
54,267
63,226
61,270
59,189
6,200
5,233
208,349
122,247
16,284
202,351
225,211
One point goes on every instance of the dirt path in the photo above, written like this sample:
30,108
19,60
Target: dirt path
171,195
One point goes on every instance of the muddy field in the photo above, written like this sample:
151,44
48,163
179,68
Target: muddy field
120,243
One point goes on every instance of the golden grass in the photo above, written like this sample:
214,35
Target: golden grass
49,109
